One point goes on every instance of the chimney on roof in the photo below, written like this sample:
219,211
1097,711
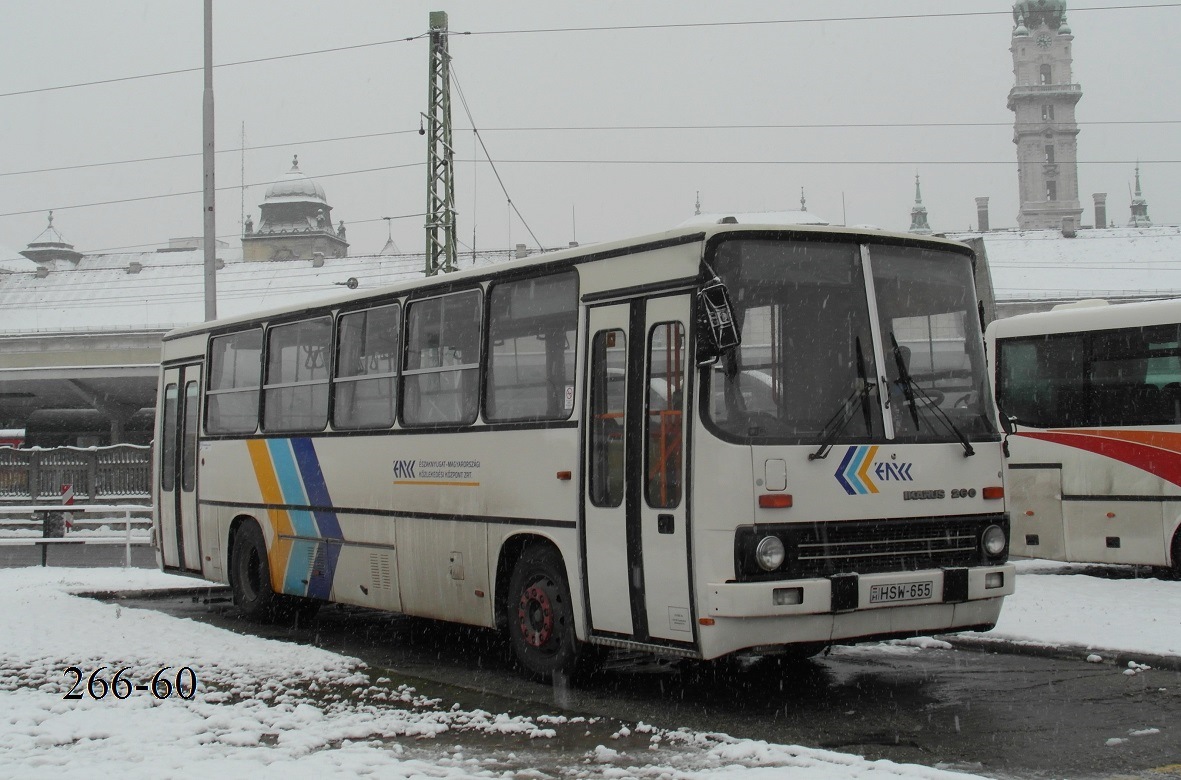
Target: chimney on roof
1100,209
982,214
317,259
1068,230
522,251
134,267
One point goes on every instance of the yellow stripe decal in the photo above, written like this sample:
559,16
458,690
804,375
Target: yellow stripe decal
268,485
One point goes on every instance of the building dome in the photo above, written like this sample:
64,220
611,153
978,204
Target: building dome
1033,13
295,186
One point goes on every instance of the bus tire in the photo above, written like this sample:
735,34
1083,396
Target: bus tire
540,615
1175,569
250,574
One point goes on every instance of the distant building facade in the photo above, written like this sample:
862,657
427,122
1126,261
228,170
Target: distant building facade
296,223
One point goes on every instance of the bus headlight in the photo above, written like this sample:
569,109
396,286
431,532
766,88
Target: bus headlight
993,540
770,553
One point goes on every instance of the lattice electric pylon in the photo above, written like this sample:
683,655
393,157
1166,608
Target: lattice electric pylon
440,170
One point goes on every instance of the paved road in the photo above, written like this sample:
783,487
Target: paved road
994,714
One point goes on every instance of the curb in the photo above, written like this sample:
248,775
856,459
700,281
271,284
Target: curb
1118,658
208,591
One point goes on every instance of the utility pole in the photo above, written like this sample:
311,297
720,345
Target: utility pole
207,159
440,168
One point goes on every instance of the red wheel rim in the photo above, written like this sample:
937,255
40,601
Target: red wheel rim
535,614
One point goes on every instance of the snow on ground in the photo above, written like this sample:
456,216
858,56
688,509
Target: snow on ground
1058,604
264,708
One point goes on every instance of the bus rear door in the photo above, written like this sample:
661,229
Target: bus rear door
177,469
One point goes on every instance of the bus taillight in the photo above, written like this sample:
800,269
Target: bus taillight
775,501
993,492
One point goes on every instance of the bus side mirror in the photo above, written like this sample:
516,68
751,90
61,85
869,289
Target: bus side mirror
719,334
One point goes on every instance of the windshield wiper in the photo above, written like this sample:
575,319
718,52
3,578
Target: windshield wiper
848,410
911,387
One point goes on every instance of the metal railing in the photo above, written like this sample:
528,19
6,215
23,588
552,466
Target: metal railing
114,474
55,530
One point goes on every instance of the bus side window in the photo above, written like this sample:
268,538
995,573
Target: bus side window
368,344
531,337
235,371
295,396
608,397
440,379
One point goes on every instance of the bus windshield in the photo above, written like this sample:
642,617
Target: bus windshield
806,371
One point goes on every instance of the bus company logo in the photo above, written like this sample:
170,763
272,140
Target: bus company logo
404,469
858,470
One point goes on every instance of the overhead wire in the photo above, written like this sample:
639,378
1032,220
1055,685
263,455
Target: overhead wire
183,155
556,30
585,128
198,192
499,180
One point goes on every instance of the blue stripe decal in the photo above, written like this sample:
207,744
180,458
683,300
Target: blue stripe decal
840,473
317,488
320,583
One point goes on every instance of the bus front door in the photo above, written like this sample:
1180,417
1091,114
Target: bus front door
177,470
635,529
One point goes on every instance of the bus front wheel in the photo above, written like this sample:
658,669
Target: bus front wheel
250,574
540,618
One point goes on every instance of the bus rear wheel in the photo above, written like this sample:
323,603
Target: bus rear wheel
250,574
540,618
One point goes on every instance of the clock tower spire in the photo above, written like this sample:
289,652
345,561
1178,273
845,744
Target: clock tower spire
1043,101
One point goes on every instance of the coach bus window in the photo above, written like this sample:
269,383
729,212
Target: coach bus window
168,435
440,380
666,390
366,368
1126,376
1041,380
802,310
295,397
531,337
235,367
608,395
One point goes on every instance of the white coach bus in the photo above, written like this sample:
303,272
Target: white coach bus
1094,466
600,447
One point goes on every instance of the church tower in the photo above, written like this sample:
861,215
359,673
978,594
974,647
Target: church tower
1043,100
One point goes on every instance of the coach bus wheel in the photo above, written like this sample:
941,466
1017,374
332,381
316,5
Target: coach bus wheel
250,574
540,619
1175,569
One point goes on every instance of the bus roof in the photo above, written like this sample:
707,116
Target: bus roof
683,234
1087,318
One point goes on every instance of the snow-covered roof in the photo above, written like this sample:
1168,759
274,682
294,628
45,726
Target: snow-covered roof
130,291
757,218
1036,265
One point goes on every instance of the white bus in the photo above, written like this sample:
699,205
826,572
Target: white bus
1094,462
573,449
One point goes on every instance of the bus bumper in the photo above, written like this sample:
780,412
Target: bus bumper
846,608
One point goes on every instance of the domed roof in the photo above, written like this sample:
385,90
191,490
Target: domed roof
1032,11
295,186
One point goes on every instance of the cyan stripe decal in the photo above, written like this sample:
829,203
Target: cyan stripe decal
287,473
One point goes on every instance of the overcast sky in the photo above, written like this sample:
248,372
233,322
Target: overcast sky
923,92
